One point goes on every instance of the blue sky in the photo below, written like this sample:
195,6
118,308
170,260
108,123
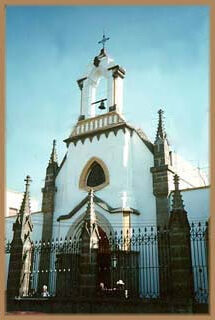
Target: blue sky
164,49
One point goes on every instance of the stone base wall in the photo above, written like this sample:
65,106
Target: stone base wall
98,305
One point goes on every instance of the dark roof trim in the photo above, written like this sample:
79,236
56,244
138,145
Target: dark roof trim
61,165
101,203
115,128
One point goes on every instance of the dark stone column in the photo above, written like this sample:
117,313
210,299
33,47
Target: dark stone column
181,280
14,270
48,191
88,267
89,251
18,283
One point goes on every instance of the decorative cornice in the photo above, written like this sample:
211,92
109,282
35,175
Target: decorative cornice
80,82
106,131
97,133
98,117
101,203
117,71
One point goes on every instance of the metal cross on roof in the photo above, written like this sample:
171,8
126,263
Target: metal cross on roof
104,39
27,180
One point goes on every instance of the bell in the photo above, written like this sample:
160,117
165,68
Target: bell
102,105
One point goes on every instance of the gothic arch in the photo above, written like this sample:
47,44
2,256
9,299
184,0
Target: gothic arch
74,231
98,72
88,170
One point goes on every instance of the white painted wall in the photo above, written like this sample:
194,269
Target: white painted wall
197,203
190,176
143,197
128,161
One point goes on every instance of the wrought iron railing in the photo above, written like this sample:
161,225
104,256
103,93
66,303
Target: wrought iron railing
200,263
139,258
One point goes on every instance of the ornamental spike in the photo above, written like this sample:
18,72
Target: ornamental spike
177,202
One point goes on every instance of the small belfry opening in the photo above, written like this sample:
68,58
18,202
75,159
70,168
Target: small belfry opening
101,96
94,175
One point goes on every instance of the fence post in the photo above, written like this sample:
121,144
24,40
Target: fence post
207,246
181,276
89,251
18,282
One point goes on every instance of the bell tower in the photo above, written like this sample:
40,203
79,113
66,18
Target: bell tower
101,67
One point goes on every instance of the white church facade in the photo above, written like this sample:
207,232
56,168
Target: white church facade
131,177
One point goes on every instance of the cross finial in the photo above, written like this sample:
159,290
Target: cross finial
104,39
160,131
28,181
160,112
53,157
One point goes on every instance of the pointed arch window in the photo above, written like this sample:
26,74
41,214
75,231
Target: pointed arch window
94,175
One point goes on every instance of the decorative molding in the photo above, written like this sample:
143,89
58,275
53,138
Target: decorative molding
80,82
117,71
102,204
62,162
112,128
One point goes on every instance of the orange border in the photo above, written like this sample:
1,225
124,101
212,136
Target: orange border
211,3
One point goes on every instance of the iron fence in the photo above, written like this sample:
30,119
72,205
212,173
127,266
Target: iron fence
139,258
200,265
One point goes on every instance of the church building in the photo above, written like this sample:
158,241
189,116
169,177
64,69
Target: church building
112,179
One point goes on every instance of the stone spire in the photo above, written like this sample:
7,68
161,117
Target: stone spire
90,213
161,172
90,221
53,157
161,134
25,208
48,199
49,188
177,202
18,283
